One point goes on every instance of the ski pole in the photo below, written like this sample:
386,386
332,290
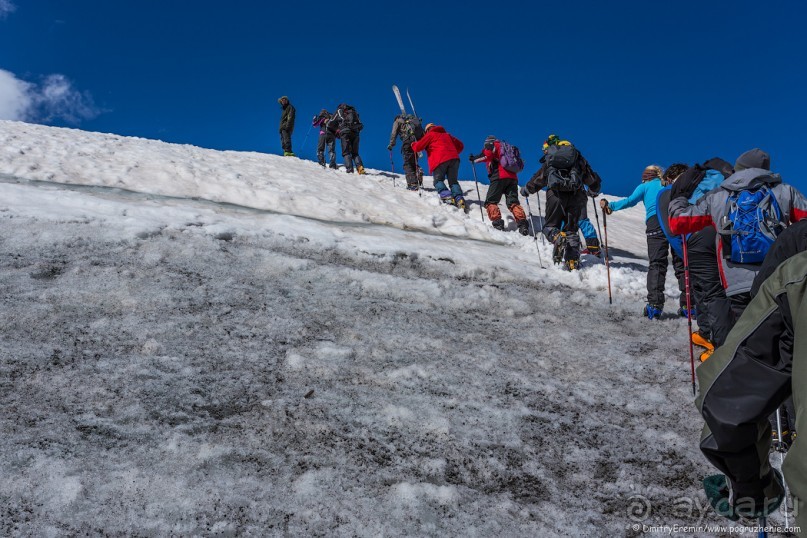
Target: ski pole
534,237
689,311
540,217
392,164
596,216
781,450
607,263
479,196
418,173
305,139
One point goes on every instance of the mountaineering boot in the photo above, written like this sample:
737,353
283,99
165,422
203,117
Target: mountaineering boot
592,250
705,355
412,187
360,170
288,154
784,444
559,240
445,197
700,339
684,313
460,202
592,247
572,265
333,165
498,224
652,311
523,227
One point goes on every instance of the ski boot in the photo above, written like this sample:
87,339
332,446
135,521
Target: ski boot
523,227
360,170
498,224
572,265
684,313
288,154
652,311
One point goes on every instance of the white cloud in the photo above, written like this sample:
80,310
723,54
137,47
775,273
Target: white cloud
6,7
55,98
15,97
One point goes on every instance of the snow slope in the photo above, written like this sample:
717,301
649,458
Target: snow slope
219,343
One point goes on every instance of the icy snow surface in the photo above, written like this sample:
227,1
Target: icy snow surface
199,342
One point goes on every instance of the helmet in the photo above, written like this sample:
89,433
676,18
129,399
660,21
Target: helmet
551,140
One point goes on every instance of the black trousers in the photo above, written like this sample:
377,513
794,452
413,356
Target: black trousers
563,213
285,141
714,309
410,164
329,141
658,250
350,149
502,187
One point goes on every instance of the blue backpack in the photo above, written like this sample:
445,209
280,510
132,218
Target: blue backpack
755,222
510,157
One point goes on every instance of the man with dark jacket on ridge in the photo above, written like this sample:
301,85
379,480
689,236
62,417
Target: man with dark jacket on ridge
564,171
286,125
409,129
346,124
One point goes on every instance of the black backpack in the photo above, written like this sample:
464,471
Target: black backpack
562,170
412,128
350,119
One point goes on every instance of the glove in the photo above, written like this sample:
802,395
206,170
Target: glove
472,157
593,194
389,147
736,504
605,207
524,192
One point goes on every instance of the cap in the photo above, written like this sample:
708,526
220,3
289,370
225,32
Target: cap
753,158
428,126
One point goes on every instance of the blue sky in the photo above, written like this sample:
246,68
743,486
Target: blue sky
630,83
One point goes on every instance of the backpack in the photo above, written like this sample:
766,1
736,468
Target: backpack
752,222
562,172
510,157
350,119
412,128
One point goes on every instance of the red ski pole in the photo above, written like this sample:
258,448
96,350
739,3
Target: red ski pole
689,312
